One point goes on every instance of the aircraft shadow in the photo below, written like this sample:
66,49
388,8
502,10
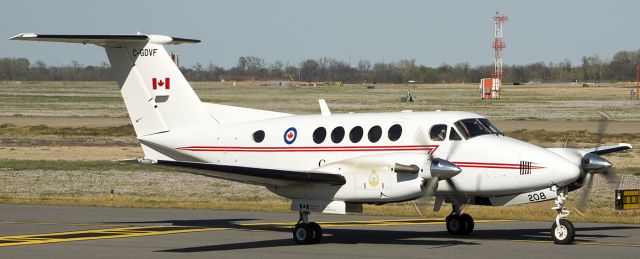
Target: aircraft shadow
432,239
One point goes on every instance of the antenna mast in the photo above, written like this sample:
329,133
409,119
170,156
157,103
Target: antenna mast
498,47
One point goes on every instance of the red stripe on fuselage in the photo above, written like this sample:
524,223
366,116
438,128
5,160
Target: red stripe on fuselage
497,167
483,163
430,148
492,165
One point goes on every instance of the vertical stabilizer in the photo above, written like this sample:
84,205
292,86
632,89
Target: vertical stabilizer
156,94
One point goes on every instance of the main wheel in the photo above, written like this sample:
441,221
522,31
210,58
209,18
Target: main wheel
468,222
317,232
303,234
455,226
564,233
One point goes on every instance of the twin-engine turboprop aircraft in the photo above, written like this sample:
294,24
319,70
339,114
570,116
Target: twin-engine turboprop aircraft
334,163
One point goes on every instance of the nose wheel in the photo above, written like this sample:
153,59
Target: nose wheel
305,232
459,224
562,231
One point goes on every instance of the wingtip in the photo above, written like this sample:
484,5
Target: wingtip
625,145
23,36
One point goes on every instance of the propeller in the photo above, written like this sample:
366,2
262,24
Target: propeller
591,164
441,170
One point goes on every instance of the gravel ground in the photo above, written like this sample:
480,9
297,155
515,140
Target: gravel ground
161,185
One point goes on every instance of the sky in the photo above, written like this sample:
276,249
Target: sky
431,32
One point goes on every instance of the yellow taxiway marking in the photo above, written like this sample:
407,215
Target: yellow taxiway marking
62,224
588,243
94,234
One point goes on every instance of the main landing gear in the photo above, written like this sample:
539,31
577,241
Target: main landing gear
305,232
562,230
458,223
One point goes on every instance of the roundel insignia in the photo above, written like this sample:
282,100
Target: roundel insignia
374,179
290,135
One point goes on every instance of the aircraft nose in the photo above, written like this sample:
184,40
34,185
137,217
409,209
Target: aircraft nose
564,172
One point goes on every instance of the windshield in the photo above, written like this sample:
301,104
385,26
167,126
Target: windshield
470,128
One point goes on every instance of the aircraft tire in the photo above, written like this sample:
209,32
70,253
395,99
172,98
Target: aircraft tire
468,222
563,234
455,226
303,233
317,232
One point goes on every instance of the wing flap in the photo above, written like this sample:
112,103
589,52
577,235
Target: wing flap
258,176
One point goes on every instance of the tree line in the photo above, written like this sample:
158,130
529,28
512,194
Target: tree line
621,67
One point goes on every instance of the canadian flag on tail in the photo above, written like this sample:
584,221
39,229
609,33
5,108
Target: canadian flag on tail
166,83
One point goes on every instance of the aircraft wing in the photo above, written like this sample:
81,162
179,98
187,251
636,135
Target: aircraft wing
609,149
257,176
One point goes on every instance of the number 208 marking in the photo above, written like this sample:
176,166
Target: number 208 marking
537,196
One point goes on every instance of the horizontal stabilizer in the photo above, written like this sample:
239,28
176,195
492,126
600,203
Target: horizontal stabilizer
102,40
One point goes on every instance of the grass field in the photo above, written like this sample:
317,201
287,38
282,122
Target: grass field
58,163
529,102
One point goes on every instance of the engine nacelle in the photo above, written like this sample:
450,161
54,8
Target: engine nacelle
377,178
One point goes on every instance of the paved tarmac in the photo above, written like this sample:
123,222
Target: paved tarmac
28,231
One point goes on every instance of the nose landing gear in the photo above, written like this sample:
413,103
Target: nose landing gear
305,232
459,224
562,230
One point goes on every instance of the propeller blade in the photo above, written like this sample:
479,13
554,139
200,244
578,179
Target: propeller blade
584,197
613,179
431,187
418,210
453,149
453,186
603,124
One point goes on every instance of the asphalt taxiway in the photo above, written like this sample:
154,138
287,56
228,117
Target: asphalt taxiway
88,232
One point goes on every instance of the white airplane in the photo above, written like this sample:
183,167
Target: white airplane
334,163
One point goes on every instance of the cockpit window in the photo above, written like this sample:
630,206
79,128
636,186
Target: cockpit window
438,132
470,128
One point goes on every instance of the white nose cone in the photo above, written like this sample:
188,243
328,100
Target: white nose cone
564,172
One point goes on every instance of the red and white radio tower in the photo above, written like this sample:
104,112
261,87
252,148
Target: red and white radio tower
498,46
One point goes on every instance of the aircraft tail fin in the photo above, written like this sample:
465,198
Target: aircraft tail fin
156,94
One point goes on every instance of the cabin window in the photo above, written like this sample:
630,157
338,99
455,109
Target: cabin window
258,136
337,134
453,135
375,133
395,132
438,132
319,135
355,135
